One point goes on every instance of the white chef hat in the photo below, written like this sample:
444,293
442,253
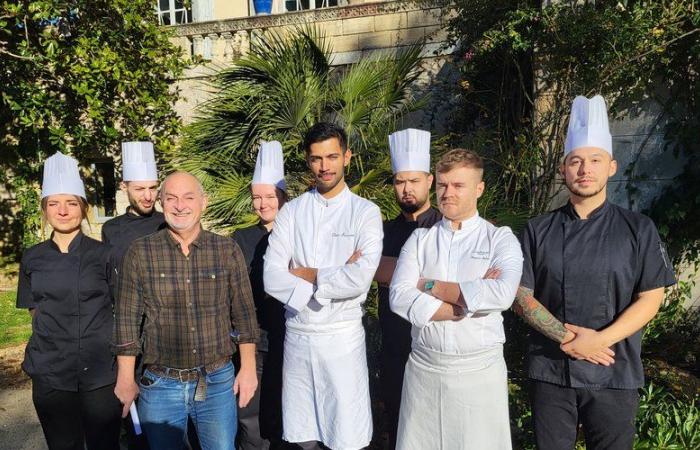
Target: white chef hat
269,166
61,176
138,162
410,150
588,125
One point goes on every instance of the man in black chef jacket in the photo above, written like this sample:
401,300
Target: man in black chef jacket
140,182
594,274
260,423
410,163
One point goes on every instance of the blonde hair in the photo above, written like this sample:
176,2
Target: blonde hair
459,157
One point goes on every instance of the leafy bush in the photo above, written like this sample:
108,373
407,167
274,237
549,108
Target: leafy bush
667,422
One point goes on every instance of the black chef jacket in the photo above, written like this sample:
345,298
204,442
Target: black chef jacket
72,325
270,312
396,331
121,231
587,272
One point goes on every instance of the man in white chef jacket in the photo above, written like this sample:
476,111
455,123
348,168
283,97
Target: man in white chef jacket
451,282
323,251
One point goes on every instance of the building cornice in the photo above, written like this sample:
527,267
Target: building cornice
292,18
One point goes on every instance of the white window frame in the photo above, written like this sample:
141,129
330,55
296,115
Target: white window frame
172,11
280,6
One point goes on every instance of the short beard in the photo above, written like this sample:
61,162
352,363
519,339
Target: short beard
328,187
578,193
410,208
138,210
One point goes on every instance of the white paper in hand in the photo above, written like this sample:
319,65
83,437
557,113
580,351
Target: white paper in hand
135,418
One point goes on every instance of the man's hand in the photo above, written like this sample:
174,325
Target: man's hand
588,344
568,337
448,311
354,257
492,273
245,385
126,390
307,273
421,284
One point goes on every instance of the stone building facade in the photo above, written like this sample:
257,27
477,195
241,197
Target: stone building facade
220,31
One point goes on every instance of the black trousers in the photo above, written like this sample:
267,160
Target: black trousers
606,415
71,420
391,381
260,422
396,346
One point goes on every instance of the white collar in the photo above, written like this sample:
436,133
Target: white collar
330,201
467,224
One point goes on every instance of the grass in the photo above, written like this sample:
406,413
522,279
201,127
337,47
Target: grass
15,324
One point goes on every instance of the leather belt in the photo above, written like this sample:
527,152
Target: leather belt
186,375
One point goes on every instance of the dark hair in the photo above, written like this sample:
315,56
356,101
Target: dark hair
459,157
323,131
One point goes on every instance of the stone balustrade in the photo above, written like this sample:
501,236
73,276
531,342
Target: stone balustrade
353,30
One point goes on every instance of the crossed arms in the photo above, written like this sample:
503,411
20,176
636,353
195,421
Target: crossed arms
296,286
454,300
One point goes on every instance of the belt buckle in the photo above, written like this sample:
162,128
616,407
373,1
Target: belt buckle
179,375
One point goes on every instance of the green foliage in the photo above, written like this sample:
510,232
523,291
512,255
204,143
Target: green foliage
80,77
665,422
16,323
276,92
522,63
674,333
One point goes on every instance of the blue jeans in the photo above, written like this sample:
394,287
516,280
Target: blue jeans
165,404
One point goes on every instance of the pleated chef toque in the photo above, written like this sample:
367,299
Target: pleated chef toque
410,150
588,125
269,166
138,162
61,176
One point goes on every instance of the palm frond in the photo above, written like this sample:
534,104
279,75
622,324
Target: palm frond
276,92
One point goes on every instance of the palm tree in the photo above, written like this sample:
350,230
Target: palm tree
276,92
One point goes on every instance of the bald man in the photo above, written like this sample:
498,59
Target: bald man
190,289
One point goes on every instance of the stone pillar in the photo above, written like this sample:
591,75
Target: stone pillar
197,45
225,46
241,43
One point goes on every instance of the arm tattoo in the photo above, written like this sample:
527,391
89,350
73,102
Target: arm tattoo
537,316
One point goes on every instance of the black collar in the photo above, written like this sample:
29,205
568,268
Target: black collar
72,247
598,212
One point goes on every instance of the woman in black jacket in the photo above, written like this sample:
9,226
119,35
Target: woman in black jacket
64,282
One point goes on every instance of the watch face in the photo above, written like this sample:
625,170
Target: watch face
429,285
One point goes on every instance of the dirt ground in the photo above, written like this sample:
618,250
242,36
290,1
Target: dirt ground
19,426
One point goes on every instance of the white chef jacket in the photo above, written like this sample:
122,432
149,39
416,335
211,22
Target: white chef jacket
312,231
325,391
461,256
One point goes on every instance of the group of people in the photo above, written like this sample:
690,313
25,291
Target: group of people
257,341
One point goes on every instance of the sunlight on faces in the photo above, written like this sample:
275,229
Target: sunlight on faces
142,195
457,192
412,189
64,212
267,200
586,171
327,162
183,201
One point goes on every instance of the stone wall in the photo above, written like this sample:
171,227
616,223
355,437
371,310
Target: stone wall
355,31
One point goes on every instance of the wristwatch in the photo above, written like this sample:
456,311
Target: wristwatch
428,287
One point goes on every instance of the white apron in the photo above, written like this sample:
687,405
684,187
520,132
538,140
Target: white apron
454,402
325,387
